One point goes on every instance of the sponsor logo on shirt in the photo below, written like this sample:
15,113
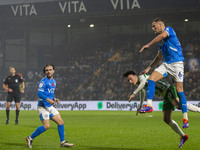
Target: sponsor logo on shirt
51,90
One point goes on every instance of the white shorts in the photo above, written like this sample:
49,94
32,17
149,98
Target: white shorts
175,70
46,113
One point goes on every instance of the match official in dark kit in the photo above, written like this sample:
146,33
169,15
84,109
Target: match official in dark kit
14,85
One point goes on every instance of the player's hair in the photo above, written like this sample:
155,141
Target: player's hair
129,72
158,19
11,67
47,66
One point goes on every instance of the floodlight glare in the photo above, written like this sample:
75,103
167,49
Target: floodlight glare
91,25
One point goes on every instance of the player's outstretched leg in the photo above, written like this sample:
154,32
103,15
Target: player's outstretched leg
193,108
29,141
183,140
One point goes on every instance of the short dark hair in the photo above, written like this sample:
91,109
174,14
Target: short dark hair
47,66
158,19
129,72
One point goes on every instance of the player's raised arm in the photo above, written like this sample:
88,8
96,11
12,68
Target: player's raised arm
144,47
158,38
158,27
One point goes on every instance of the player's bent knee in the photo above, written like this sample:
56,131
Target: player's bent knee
155,76
47,126
179,90
151,78
179,87
61,122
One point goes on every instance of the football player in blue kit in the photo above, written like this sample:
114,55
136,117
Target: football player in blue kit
169,48
45,109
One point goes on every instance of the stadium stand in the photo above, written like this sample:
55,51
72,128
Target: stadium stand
97,73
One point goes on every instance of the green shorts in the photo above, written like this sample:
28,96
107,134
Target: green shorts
170,95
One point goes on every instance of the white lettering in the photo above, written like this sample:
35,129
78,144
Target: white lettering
69,7
82,7
23,10
62,7
114,4
33,11
14,9
129,4
76,6
122,7
20,8
135,4
26,9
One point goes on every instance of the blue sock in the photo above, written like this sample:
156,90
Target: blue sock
182,102
38,131
61,132
150,89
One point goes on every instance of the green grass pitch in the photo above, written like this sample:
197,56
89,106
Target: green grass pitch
100,130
